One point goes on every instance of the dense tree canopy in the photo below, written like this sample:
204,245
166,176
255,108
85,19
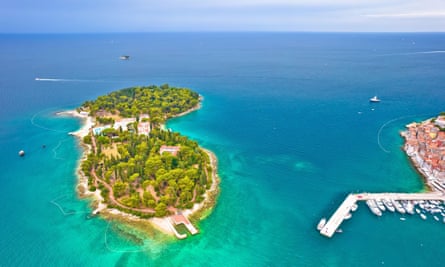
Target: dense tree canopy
160,103
131,165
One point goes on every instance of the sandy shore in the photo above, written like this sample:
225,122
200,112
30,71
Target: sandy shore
162,224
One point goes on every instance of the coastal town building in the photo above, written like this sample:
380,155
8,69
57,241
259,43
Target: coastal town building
144,128
123,123
425,145
169,149
98,130
144,116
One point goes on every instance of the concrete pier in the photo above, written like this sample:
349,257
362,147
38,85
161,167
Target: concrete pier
337,218
181,219
339,215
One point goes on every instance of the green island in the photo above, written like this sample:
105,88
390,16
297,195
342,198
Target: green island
138,170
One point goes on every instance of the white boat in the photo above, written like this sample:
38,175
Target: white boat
436,210
436,218
373,207
423,216
389,205
380,204
398,206
374,99
348,216
124,57
354,207
402,218
408,206
321,224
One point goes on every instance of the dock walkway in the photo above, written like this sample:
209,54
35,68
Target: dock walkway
339,215
181,219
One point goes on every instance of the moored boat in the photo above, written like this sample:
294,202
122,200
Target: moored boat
373,207
321,224
380,204
389,205
408,206
398,206
354,207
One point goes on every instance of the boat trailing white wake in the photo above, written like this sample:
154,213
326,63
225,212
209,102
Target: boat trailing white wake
57,80
51,80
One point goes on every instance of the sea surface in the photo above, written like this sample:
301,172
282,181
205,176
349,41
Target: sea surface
287,115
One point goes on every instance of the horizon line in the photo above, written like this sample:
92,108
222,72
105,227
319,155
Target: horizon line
223,31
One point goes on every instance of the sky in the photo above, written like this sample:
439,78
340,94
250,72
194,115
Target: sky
92,16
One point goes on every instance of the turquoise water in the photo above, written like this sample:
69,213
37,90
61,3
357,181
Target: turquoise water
286,114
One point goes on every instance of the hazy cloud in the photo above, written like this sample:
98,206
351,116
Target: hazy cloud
409,15
218,15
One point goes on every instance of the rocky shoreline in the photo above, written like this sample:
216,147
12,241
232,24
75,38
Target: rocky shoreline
164,225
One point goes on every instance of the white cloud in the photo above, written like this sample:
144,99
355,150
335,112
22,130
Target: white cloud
432,14
228,15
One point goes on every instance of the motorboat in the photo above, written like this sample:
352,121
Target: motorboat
380,204
389,205
321,224
374,99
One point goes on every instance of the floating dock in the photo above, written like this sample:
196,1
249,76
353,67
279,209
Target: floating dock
342,212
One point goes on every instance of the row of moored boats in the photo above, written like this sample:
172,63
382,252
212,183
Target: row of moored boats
435,208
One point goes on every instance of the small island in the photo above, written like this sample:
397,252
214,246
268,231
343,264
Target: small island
136,169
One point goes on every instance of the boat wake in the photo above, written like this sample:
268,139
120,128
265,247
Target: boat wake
41,126
429,52
61,80
416,53
53,80
389,122
62,210
56,156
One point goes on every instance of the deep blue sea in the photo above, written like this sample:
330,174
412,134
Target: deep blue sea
287,115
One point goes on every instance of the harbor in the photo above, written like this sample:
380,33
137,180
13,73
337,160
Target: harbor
404,203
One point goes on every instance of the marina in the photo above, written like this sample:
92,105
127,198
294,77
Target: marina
404,203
